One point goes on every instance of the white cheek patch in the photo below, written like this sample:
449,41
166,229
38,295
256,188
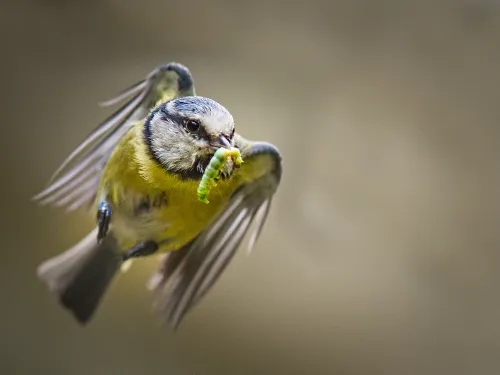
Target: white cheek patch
171,145
201,145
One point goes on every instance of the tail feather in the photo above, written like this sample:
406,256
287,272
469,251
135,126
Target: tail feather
81,275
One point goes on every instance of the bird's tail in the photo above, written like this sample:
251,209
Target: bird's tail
80,276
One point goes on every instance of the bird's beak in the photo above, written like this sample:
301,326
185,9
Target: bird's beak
224,142
218,142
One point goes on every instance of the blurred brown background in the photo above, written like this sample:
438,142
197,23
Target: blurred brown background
381,255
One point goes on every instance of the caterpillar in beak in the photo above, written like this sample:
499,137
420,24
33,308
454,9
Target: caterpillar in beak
213,169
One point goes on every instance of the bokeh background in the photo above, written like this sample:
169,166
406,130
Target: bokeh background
381,255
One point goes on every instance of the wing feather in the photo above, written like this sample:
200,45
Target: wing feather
124,94
76,181
189,273
104,130
261,217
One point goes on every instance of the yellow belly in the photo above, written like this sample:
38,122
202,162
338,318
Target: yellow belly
181,218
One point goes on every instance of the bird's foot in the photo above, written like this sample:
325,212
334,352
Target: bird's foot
141,250
103,219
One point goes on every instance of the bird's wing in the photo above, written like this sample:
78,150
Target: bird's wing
75,182
187,274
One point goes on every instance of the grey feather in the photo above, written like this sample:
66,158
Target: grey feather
71,195
80,276
104,130
87,196
62,190
124,94
260,218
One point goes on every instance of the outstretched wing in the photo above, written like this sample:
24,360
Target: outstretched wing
77,179
187,274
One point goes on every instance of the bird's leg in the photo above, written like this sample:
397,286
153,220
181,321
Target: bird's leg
140,250
103,219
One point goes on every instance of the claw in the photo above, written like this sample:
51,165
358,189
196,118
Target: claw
141,250
103,219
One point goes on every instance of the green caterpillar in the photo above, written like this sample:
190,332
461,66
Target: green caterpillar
213,170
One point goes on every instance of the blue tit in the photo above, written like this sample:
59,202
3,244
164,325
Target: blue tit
142,187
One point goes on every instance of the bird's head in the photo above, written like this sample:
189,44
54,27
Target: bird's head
183,134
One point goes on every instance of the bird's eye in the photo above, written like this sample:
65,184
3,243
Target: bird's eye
192,126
